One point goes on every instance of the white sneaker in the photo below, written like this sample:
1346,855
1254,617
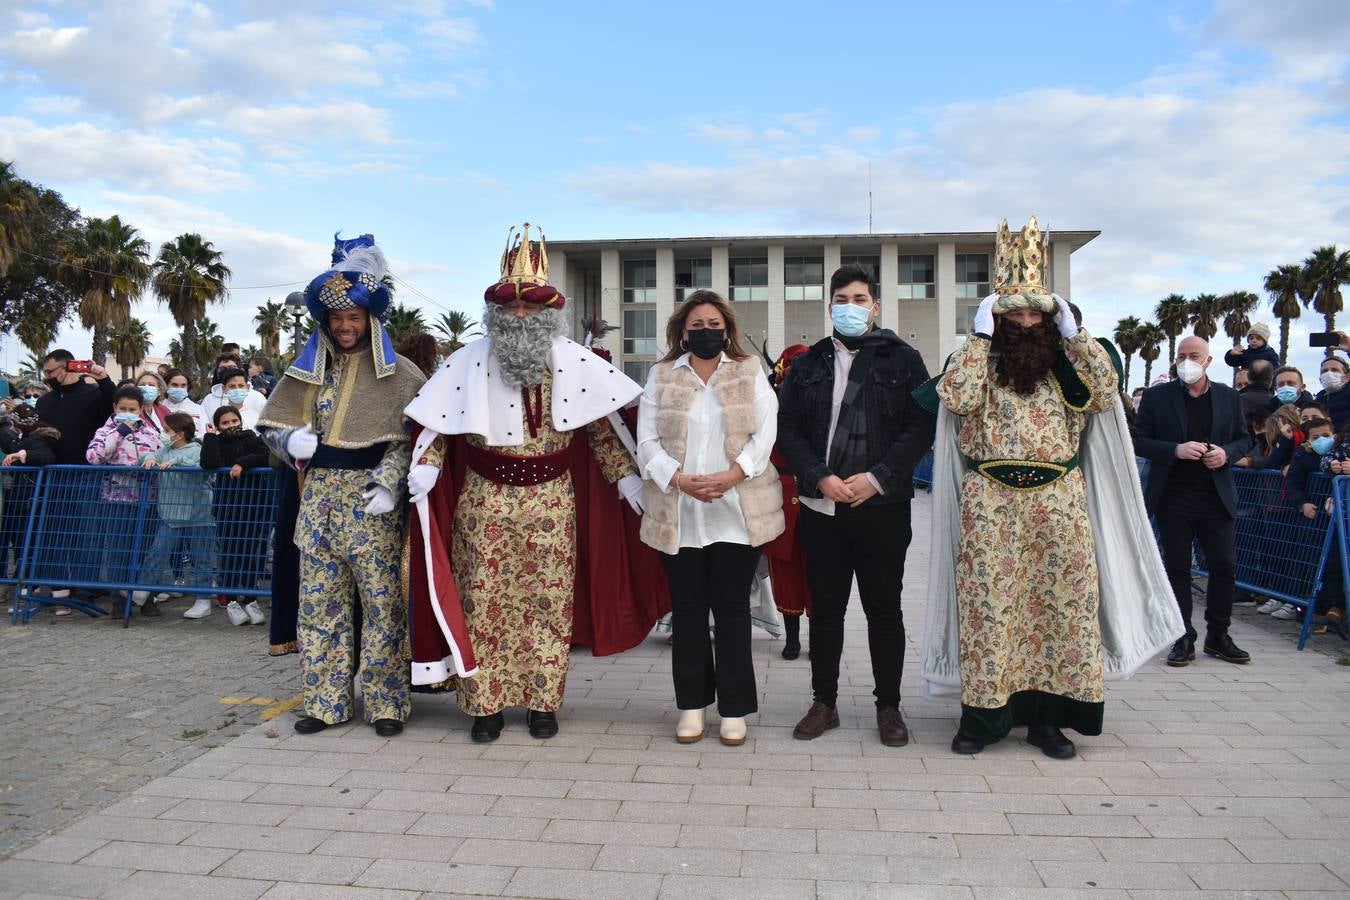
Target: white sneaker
255,613
236,613
61,594
162,597
139,597
201,608
1269,606
689,730
1287,611
733,731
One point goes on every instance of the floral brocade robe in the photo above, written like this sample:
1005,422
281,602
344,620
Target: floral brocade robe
513,550
1026,574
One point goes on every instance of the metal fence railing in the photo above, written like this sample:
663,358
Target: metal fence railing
119,529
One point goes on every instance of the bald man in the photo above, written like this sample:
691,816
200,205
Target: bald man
1192,430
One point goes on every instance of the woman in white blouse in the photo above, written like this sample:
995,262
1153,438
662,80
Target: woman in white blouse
706,425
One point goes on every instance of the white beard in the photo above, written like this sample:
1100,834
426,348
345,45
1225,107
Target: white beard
521,344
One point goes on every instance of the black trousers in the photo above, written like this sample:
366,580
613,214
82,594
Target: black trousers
1183,518
715,579
869,542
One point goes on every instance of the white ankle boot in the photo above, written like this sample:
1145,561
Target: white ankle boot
733,731
201,608
255,613
690,727
236,613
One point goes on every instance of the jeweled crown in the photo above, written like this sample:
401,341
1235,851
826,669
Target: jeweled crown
1020,261
530,267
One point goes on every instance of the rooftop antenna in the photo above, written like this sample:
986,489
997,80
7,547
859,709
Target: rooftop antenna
869,198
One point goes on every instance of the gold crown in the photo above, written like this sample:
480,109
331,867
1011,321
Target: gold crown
1020,261
530,267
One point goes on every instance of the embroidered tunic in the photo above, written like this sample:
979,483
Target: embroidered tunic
1026,579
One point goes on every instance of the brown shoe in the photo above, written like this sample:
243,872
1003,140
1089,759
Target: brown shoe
892,727
818,720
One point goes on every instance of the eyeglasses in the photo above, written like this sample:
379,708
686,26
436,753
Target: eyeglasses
48,373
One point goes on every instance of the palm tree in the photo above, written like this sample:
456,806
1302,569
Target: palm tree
1150,338
17,201
1282,284
130,343
271,319
1323,274
403,321
1173,315
1237,308
30,367
454,326
1204,311
107,264
189,275
1126,337
36,332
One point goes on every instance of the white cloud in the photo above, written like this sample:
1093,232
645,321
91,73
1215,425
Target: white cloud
451,33
83,153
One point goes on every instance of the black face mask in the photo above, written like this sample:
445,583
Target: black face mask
706,343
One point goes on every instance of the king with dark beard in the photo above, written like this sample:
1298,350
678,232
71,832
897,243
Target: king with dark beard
1026,571
518,544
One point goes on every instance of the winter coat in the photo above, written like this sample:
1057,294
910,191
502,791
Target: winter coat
110,447
184,497
76,411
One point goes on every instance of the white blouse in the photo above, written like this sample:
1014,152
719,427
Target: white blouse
721,520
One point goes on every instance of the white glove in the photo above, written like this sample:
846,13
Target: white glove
302,443
1068,325
984,316
630,489
381,501
421,479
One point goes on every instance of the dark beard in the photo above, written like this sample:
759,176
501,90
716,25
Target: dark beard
521,344
1023,355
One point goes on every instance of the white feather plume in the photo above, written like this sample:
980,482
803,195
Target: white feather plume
364,259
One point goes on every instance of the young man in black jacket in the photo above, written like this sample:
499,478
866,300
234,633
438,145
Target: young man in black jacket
852,433
77,405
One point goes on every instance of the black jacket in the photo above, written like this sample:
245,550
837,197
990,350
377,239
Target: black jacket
77,411
246,450
899,430
40,445
1160,425
1305,463
1242,357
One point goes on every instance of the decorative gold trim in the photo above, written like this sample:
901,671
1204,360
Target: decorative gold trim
346,387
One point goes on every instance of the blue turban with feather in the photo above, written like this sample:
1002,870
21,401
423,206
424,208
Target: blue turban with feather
356,279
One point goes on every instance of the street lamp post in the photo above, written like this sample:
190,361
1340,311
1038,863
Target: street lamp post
295,301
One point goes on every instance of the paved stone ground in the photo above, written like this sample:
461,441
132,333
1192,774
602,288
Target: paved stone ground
1211,781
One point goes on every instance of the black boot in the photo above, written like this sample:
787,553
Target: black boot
1222,646
310,725
1182,652
387,727
487,728
543,725
792,631
966,745
1051,740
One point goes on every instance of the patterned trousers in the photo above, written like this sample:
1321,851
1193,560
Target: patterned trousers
346,558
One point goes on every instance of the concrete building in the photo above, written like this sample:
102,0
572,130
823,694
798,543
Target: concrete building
931,285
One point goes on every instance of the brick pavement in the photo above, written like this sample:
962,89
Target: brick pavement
1210,781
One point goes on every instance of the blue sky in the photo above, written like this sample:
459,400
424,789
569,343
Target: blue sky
1209,141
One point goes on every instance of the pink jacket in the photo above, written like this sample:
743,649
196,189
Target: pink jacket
110,448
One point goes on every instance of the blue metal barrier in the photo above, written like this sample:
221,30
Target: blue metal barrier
1280,552
18,486
121,529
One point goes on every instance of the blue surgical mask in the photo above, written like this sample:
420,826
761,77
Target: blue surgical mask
238,395
31,401
177,395
849,319
1287,394
127,418
1322,445
149,393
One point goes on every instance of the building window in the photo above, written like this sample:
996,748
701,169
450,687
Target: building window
692,275
870,264
637,369
639,281
639,331
965,318
750,278
916,278
972,276
804,278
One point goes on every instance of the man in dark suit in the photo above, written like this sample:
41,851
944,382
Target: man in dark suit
1191,430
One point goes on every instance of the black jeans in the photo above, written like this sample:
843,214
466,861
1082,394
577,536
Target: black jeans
1183,518
715,579
869,542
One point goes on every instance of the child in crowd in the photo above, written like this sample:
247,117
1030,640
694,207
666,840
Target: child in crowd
125,440
237,394
1279,438
1307,461
184,503
241,508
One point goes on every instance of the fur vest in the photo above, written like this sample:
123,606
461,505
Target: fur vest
761,497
